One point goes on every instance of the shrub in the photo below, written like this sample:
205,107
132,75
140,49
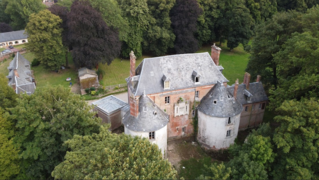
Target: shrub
87,90
13,55
35,62
92,88
93,93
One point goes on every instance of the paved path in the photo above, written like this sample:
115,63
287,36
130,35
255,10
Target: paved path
122,96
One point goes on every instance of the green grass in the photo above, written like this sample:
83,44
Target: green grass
1,49
193,168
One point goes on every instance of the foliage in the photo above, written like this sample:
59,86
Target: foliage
108,155
270,36
206,21
261,10
100,72
35,62
216,171
43,121
93,93
20,11
87,90
44,39
3,16
299,5
90,37
159,36
5,27
7,95
92,88
297,140
9,157
136,13
184,17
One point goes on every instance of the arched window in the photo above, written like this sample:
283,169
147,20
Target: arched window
17,42
23,41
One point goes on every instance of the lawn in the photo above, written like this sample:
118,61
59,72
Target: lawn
234,63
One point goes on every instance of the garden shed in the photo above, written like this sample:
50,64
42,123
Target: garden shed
87,78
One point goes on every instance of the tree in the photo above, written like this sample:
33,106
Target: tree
206,21
159,36
20,11
270,36
7,94
3,16
136,13
45,39
107,155
9,157
285,5
5,28
216,171
297,140
62,12
91,39
184,17
43,121
261,10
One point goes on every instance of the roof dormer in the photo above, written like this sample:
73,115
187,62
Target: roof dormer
196,77
166,81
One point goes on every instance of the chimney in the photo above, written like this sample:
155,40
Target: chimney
215,52
235,89
132,63
134,102
247,79
258,78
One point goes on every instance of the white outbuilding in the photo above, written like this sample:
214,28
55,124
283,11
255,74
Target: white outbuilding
218,118
149,122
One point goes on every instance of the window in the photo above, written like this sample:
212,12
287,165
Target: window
166,85
246,108
263,106
155,113
196,79
23,41
215,101
196,94
193,113
16,42
167,100
229,121
151,135
183,131
181,109
228,133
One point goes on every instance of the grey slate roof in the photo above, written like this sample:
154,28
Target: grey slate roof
12,36
218,102
24,80
178,69
256,89
109,104
146,121
83,71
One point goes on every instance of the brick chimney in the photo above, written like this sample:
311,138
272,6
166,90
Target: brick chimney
215,52
247,79
132,63
258,78
134,102
235,89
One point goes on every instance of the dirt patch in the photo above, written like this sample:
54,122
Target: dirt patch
76,88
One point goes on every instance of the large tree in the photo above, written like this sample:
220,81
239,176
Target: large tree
297,140
7,94
269,38
45,38
112,156
92,40
3,16
215,171
5,27
43,121
159,36
261,10
20,11
136,13
184,17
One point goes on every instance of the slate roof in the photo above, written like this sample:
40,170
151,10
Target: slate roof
147,120
12,36
83,71
218,102
24,80
109,104
178,69
256,91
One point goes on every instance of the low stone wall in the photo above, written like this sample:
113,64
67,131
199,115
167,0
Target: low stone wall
8,56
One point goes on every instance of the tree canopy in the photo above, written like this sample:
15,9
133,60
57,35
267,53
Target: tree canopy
7,95
90,37
45,39
106,155
43,121
5,28
184,17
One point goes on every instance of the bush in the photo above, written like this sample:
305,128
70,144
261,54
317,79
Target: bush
93,93
92,88
35,62
87,90
13,55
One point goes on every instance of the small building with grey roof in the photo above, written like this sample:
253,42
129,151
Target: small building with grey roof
20,76
13,38
111,110
88,78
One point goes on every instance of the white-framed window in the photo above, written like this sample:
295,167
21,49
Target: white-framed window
228,133
167,100
151,135
196,79
181,109
166,85
196,94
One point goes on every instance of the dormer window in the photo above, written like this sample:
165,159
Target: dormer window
166,84
196,77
